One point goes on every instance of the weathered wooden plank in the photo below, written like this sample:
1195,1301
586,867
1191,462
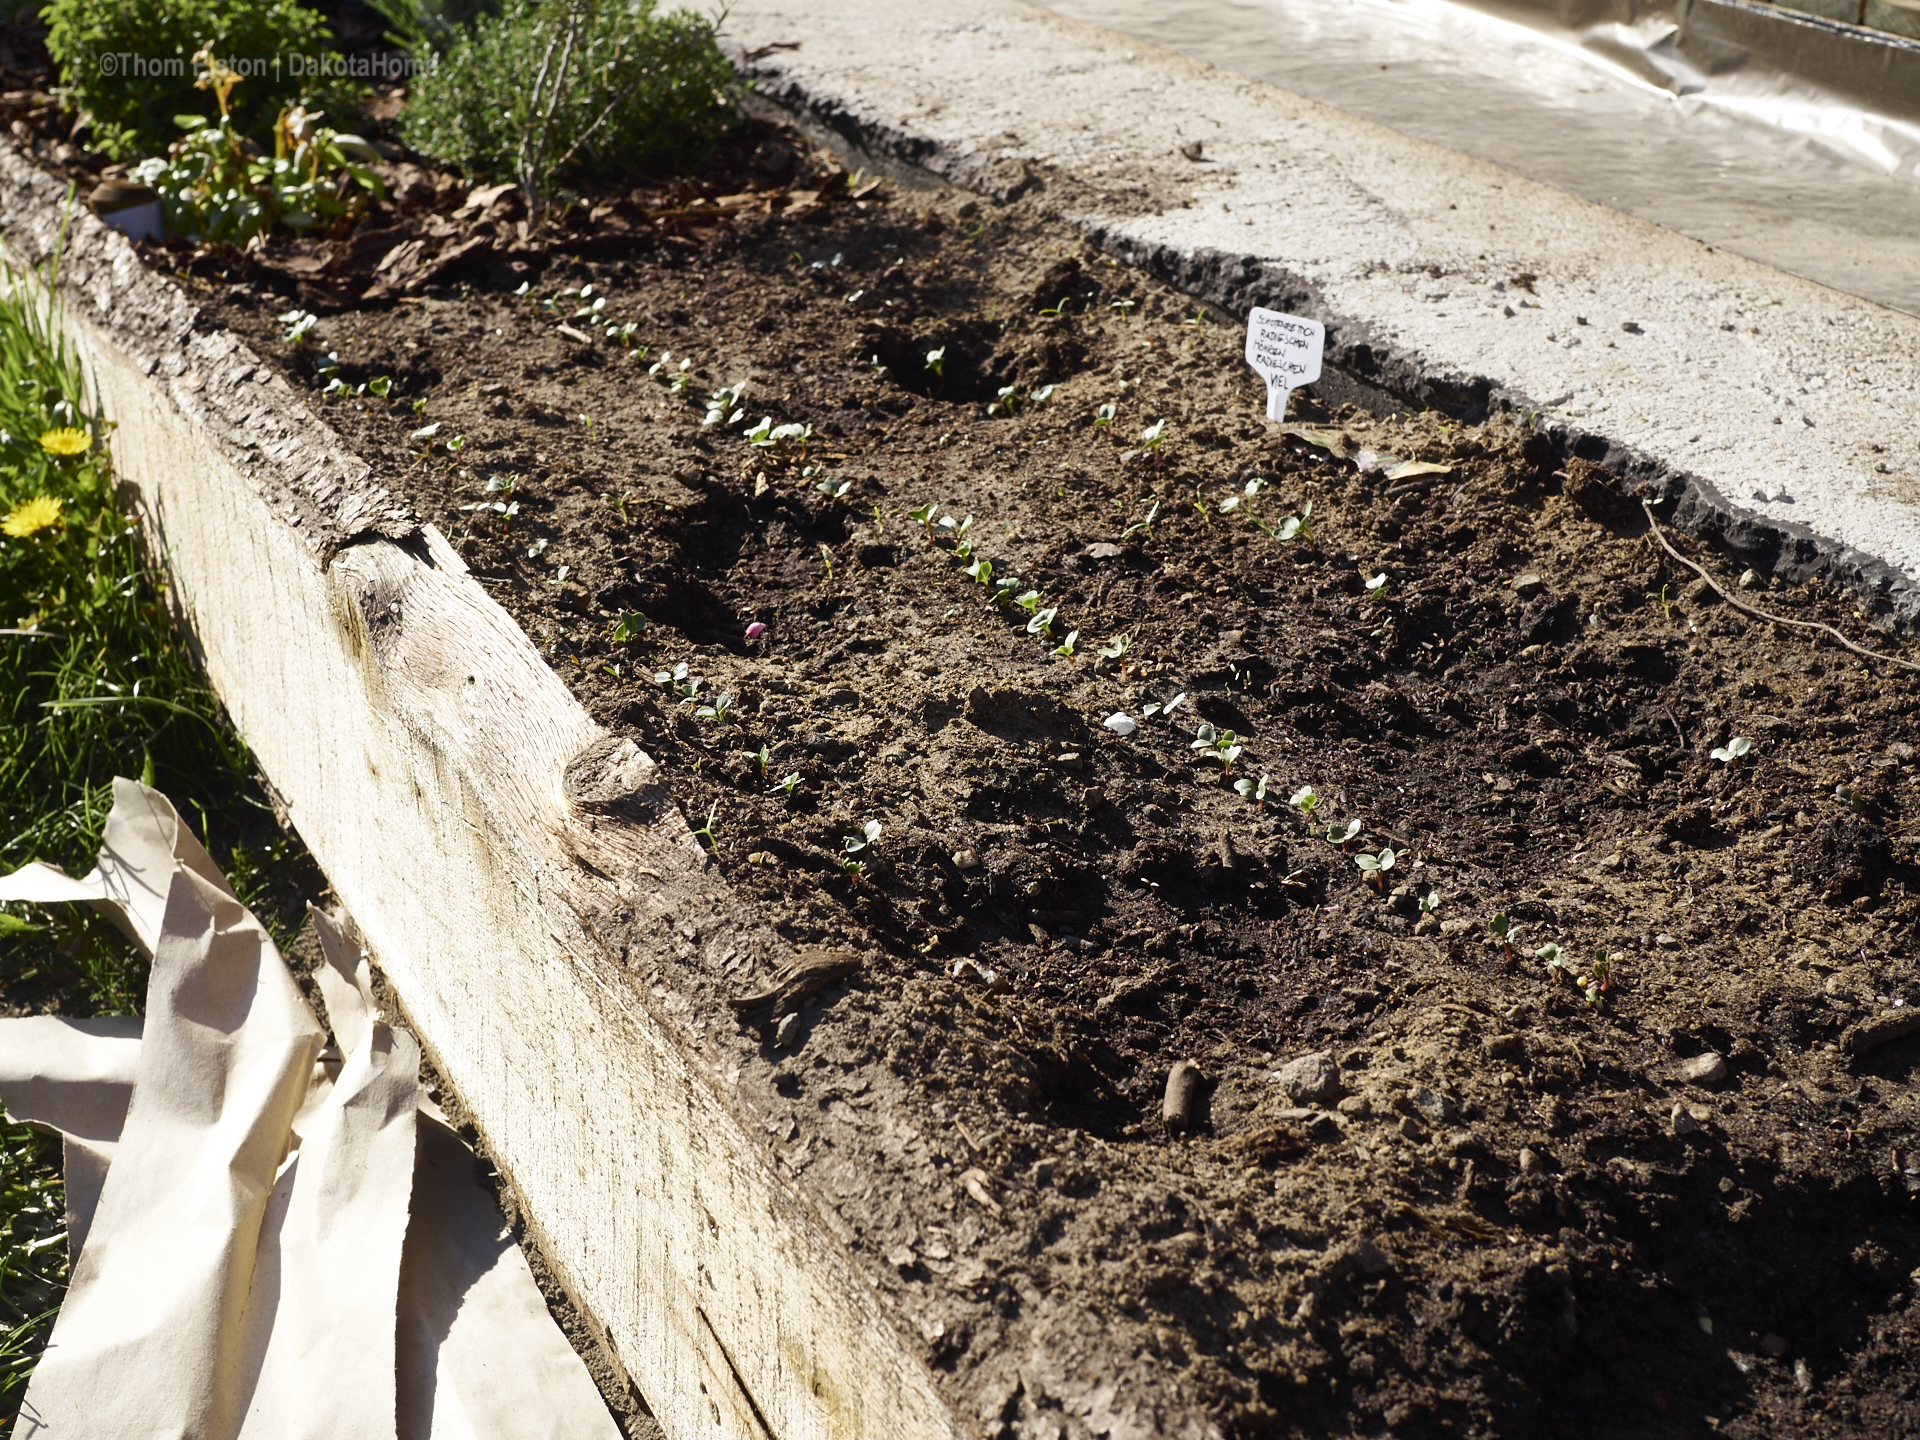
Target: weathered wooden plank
422,748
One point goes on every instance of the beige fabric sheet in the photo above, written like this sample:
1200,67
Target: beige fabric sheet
270,1238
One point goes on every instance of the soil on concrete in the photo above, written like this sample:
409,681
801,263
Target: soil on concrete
1421,1178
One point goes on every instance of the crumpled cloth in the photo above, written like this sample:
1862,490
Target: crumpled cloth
270,1236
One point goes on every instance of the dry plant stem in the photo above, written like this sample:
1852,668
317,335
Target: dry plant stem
1760,614
533,145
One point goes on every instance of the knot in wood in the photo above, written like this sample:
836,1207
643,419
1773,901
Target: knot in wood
611,776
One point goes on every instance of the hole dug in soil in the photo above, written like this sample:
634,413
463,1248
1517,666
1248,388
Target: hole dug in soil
1500,1210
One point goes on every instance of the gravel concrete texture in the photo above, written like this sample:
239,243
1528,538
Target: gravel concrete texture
1774,414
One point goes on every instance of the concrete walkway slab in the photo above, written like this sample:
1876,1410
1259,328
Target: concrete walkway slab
1443,280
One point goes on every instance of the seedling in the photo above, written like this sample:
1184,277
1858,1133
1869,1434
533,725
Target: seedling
1044,394
1598,980
623,335
506,507
706,831
1735,749
1042,622
956,531
1029,602
1557,966
1305,801
826,559
1257,794
628,626
1115,647
1663,600
1375,867
299,325
937,362
1218,745
783,438
1377,586
1429,903
1065,648
1297,527
379,385
762,757
1244,499
1153,435
1057,308
1504,931
863,839
1004,405
787,786
1149,711
1123,306
724,405
678,680
1144,525
717,711
924,516
1344,835
1104,415
834,487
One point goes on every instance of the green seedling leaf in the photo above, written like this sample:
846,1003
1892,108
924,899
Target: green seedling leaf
1342,834
628,626
1115,648
1304,800
1735,749
1042,622
1376,865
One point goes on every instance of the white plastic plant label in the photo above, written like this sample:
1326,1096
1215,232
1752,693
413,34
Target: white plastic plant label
1284,351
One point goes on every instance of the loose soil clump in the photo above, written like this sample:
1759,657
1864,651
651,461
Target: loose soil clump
1148,1109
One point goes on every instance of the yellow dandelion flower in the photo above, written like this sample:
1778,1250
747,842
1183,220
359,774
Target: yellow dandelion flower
66,440
31,516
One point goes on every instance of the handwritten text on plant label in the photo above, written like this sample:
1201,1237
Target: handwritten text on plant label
1285,352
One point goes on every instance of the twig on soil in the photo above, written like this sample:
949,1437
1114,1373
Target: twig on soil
1668,711
1760,614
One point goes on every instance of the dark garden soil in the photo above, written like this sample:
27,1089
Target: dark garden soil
1498,1209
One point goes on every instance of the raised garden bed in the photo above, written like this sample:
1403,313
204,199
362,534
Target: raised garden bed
944,1197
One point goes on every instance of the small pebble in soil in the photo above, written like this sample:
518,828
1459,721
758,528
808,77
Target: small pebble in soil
1707,1069
787,1032
1182,1098
1529,1162
1750,580
1311,1079
965,860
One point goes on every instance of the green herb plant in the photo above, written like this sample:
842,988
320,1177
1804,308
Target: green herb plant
549,92
214,186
